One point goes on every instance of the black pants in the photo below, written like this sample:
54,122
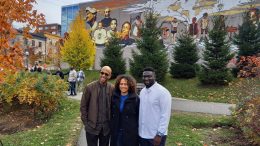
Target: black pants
149,142
73,88
92,139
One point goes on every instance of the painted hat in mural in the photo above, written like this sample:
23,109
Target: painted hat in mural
91,10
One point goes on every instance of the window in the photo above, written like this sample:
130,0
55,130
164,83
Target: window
53,27
40,28
46,27
40,44
33,43
54,32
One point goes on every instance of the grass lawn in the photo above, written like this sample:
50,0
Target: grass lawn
188,129
62,129
190,89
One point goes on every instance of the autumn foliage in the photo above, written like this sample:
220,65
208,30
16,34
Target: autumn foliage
78,50
249,66
11,11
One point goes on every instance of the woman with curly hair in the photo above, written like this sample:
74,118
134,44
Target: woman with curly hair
125,112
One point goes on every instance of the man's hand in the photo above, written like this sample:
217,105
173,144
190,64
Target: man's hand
157,140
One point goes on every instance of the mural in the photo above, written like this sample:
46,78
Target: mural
126,18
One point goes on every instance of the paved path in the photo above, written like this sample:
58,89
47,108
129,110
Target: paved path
178,104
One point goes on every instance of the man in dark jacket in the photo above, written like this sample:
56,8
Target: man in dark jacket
95,109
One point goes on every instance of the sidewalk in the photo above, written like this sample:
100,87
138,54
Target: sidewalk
178,104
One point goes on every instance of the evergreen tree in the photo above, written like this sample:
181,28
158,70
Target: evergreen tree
113,57
152,52
79,50
216,57
185,56
248,38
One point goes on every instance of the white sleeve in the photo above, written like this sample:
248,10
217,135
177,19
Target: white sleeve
165,106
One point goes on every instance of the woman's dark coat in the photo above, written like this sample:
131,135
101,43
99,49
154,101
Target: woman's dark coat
129,117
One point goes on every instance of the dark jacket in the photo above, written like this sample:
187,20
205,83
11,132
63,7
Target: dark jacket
89,103
59,73
129,119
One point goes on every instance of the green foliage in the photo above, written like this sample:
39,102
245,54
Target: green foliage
185,56
248,38
152,52
61,129
40,91
216,57
247,112
79,50
113,57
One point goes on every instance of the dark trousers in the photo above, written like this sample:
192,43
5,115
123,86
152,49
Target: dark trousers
149,142
73,88
93,139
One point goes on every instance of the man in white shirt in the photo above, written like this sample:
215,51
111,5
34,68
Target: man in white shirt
155,111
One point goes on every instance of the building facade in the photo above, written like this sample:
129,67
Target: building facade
68,14
54,29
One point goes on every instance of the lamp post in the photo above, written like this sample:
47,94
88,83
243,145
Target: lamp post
27,58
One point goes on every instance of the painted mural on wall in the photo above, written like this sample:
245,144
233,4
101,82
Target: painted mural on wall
125,19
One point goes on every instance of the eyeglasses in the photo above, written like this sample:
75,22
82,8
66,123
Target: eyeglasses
102,73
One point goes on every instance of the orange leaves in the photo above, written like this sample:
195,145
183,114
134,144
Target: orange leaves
15,11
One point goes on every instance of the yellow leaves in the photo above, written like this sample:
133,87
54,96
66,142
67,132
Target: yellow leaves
78,49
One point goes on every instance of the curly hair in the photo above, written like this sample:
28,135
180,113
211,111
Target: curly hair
130,82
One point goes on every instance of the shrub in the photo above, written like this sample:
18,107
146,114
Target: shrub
40,92
247,111
248,66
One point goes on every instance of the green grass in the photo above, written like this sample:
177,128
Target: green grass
190,128
192,89
62,129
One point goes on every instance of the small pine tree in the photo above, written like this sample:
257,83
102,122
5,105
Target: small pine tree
216,57
185,56
152,52
248,38
113,57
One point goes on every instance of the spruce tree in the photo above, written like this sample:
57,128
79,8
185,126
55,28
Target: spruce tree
248,38
185,56
113,57
152,52
216,57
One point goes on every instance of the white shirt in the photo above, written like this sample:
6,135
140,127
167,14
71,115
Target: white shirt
155,111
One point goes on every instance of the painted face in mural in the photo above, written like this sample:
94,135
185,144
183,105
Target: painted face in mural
107,12
126,27
113,24
90,16
100,25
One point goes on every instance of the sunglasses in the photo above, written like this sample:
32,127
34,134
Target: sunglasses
103,73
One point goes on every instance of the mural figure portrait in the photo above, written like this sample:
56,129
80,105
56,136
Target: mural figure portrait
138,23
204,26
253,13
113,28
91,17
125,33
100,35
193,28
106,21
174,26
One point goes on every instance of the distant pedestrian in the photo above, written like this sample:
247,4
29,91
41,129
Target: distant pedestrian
80,79
72,80
125,113
155,111
95,108
59,73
